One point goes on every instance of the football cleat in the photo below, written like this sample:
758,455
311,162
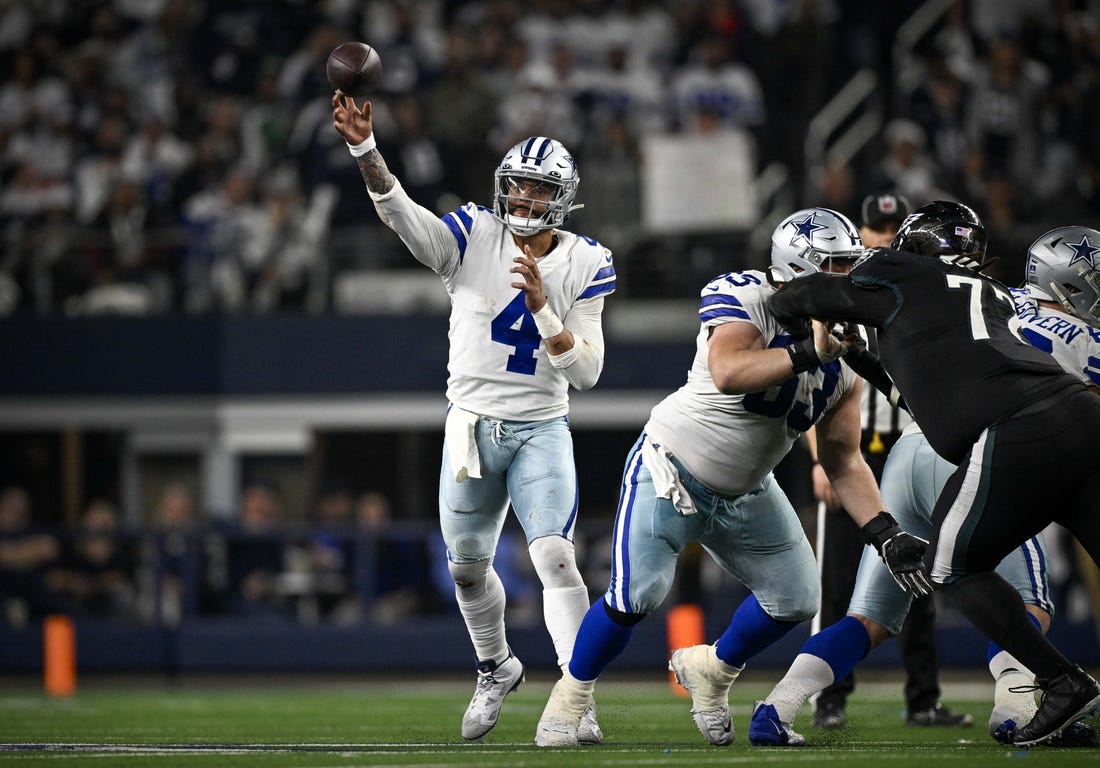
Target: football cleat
494,682
939,715
560,723
708,679
1065,699
829,716
767,730
589,732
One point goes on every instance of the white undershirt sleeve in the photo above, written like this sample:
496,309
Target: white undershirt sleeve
426,236
581,366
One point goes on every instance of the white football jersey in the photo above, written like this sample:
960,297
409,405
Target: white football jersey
731,442
498,364
1071,341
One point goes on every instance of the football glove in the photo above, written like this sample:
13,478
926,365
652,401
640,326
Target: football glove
902,552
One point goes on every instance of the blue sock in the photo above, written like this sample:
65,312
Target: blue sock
750,631
599,642
994,649
841,645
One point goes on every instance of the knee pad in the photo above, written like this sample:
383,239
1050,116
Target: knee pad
467,575
555,562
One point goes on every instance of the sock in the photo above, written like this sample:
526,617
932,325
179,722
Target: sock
563,608
996,609
1008,674
599,642
808,675
751,630
841,645
483,611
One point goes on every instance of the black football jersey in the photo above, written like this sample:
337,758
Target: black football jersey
947,337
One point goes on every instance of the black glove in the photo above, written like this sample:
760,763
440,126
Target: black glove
902,552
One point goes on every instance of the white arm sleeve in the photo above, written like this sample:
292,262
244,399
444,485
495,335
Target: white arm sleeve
581,366
425,235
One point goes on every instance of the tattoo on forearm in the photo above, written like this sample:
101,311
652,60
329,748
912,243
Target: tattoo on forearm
375,173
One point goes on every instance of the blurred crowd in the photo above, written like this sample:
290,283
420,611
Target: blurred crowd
178,155
344,561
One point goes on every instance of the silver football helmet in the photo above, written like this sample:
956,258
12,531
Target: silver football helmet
1064,266
806,240
535,161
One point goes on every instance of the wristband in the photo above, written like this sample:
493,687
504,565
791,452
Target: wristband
358,150
880,529
803,356
547,322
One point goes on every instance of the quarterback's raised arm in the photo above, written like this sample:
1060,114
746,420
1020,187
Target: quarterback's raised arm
425,235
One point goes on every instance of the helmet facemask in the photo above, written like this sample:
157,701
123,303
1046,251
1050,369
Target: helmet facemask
537,175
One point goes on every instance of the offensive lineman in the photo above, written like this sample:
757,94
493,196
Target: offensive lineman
526,306
702,471
914,476
1001,410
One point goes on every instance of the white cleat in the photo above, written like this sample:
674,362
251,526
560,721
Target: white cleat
589,732
560,724
708,679
494,682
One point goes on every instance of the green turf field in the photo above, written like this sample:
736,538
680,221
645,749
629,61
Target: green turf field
361,722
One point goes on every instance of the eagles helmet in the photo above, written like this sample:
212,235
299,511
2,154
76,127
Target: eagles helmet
805,241
545,161
946,229
1064,266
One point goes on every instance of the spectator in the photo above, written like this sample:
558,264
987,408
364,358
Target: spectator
96,568
25,554
174,563
255,555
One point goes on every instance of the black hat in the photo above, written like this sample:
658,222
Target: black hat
885,207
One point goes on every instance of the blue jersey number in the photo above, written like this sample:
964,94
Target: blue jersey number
514,327
800,416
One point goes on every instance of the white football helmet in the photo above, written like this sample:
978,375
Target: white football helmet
1064,266
542,160
804,241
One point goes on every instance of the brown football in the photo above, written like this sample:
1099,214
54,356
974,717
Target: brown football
354,69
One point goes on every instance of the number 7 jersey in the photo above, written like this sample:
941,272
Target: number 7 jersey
731,442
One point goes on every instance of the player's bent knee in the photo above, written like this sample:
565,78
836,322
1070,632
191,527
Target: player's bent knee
555,562
622,618
875,631
467,575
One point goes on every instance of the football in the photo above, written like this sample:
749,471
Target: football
354,69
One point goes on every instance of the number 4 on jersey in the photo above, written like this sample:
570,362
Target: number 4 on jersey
515,327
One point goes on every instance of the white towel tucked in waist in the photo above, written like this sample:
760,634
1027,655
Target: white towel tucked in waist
666,479
462,444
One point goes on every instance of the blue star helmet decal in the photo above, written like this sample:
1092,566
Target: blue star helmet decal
1083,251
805,228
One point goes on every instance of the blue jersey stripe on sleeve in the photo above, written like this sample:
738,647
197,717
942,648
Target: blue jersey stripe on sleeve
597,290
466,219
456,230
603,274
720,298
1093,370
724,311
